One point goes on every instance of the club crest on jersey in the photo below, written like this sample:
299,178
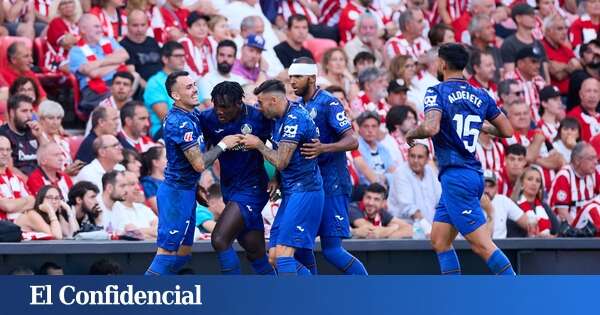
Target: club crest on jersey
561,195
246,129
188,136
313,113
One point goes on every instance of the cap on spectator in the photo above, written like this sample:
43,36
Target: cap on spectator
529,52
549,92
521,9
255,41
489,176
366,115
397,86
195,16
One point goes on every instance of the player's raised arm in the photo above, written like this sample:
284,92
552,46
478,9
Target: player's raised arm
201,161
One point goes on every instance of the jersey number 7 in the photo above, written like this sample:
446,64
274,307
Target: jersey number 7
464,130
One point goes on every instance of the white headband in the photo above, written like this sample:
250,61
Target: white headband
302,69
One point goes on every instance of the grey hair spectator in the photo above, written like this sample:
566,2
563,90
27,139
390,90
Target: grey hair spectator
369,75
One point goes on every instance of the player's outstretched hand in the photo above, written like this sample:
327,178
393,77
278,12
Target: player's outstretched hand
312,150
250,141
232,140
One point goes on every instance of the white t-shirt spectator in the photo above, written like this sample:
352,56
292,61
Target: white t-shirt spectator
408,193
140,215
210,80
105,217
93,173
504,208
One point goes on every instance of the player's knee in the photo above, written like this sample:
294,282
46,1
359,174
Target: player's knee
439,244
219,242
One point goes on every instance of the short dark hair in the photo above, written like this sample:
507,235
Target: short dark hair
584,47
125,75
336,89
110,178
504,86
11,51
397,115
129,155
47,266
172,79
98,113
272,85
214,191
148,157
516,149
227,43
79,190
227,92
296,18
14,101
377,189
569,123
195,16
362,56
476,55
436,33
128,110
169,47
367,115
455,55
19,82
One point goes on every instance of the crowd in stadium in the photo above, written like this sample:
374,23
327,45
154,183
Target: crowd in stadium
102,65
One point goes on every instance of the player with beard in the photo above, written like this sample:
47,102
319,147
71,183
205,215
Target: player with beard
176,196
226,52
243,178
455,112
335,138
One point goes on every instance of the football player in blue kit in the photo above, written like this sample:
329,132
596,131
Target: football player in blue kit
455,112
299,215
335,138
176,196
244,179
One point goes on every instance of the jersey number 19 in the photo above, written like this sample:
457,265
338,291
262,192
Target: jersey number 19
467,134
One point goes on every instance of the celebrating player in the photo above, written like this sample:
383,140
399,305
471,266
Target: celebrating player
243,178
298,218
335,138
176,196
454,114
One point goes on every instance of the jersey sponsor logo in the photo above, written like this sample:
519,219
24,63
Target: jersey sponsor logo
188,136
290,131
430,101
341,117
561,195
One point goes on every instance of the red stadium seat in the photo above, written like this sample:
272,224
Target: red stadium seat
2,111
74,143
318,47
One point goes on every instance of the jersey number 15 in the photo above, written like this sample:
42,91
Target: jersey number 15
464,131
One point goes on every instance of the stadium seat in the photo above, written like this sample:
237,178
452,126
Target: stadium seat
318,47
2,111
74,143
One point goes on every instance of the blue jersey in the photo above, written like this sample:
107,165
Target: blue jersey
181,131
242,171
296,126
464,108
329,116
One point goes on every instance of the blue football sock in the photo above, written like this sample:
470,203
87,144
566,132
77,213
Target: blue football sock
261,266
180,261
161,265
340,258
229,261
449,263
287,266
307,257
499,264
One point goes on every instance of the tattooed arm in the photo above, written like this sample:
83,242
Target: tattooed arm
499,127
280,157
428,128
200,161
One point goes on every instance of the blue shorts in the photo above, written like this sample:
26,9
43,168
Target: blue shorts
460,201
176,216
297,220
251,210
335,221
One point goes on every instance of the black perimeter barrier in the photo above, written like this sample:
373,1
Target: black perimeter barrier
381,257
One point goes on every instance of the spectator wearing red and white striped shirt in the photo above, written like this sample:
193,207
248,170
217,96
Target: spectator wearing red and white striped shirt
586,113
448,11
288,8
476,7
350,14
542,222
490,153
484,69
586,27
590,213
113,18
552,111
198,49
409,41
561,58
14,197
528,61
134,134
575,184
514,166
373,84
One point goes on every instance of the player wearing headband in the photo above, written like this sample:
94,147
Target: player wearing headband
243,178
335,138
